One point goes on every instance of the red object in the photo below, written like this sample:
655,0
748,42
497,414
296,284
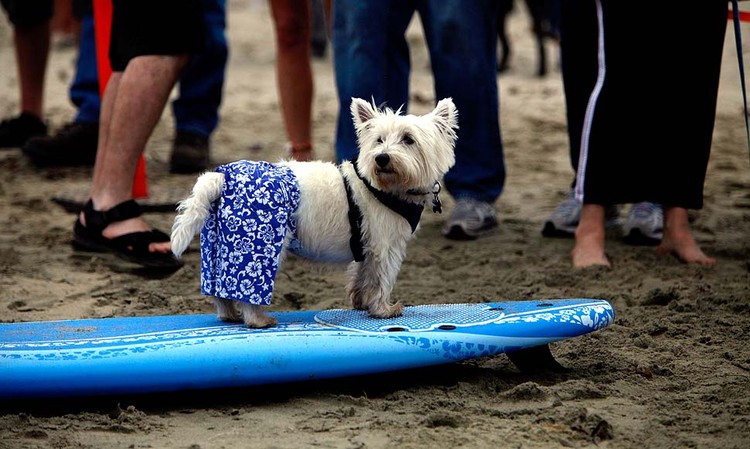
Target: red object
744,16
102,31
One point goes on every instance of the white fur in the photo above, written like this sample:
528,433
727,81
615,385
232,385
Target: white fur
419,150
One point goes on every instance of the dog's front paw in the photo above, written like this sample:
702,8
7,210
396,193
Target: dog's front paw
358,302
385,310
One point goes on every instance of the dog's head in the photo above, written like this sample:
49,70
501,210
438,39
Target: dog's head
398,153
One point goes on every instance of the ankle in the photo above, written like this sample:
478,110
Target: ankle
300,151
676,218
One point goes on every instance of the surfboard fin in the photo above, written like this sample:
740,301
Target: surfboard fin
537,358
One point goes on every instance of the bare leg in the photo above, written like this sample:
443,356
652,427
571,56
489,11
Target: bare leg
678,239
589,247
293,72
133,103
32,49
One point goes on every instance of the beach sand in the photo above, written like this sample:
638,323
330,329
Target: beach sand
673,371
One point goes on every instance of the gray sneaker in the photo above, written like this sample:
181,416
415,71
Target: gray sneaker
564,220
644,225
470,219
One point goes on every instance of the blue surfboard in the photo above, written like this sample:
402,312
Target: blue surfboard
107,356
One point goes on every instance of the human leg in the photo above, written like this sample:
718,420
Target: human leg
31,33
616,144
137,99
697,124
32,50
579,74
589,246
371,60
463,53
147,53
133,103
75,143
462,45
292,22
84,90
201,86
679,241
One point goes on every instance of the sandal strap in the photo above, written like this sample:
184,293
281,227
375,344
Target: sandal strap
138,243
97,220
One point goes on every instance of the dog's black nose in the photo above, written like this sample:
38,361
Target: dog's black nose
382,159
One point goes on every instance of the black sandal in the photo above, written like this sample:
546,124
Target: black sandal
132,247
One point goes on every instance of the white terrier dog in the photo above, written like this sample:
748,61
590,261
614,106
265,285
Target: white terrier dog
362,212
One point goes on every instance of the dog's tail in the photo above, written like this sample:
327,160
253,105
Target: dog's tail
193,210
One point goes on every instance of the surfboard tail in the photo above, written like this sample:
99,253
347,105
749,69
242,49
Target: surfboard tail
193,211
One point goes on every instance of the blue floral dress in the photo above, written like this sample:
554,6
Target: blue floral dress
244,234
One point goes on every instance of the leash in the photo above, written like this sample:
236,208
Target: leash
738,40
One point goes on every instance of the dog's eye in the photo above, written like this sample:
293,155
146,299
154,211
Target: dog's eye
380,140
408,140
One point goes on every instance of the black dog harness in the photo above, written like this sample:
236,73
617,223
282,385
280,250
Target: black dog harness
411,212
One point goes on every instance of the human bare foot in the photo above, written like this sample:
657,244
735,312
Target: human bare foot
679,241
588,252
686,250
589,247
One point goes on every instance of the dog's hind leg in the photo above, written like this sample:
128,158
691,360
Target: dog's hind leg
255,317
227,310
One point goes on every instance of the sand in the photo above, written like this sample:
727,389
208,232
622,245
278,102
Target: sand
672,371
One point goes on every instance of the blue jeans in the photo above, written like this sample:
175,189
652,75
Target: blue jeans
371,61
201,83
84,91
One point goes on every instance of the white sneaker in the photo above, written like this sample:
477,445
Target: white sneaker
644,225
563,221
470,219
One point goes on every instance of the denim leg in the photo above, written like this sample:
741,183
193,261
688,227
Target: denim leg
371,60
202,82
84,90
462,41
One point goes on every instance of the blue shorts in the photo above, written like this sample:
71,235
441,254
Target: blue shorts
161,27
244,234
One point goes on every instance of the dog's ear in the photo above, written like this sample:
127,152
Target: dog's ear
362,111
446,114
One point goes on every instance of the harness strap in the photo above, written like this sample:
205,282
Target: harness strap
355,223
411,212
